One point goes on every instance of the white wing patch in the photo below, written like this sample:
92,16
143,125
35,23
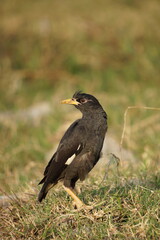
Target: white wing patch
71,158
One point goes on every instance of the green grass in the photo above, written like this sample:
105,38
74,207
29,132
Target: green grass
48,50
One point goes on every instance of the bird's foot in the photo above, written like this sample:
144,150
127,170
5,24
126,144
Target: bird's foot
78,204
81,206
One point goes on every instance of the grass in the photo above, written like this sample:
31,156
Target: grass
48,50
122,210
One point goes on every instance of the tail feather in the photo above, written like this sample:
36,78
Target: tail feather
47,185
41,196
44,190
42,181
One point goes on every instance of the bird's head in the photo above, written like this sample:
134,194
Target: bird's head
83,101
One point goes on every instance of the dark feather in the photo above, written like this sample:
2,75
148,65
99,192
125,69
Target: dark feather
67,147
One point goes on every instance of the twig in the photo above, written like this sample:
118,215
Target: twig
113,159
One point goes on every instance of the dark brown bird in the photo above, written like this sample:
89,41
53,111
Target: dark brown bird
84,139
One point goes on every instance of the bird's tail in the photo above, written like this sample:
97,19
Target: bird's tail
48,183
44,190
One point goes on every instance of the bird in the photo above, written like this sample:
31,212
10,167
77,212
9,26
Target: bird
84,140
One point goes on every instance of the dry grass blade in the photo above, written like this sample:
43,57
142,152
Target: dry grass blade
125,119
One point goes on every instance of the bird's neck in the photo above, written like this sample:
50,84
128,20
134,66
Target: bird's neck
94,113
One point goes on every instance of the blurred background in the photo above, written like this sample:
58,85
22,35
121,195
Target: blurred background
49,50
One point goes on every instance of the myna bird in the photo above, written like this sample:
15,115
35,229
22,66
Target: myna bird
84,139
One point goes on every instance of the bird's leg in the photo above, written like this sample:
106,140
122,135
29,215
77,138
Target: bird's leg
77,201
77,190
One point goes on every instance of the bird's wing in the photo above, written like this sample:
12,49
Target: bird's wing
67,147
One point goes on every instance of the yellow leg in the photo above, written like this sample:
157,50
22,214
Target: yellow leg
77,201
77,190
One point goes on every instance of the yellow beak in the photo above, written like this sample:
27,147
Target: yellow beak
72,101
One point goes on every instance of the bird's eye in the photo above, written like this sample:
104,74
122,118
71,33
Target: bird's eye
83,100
